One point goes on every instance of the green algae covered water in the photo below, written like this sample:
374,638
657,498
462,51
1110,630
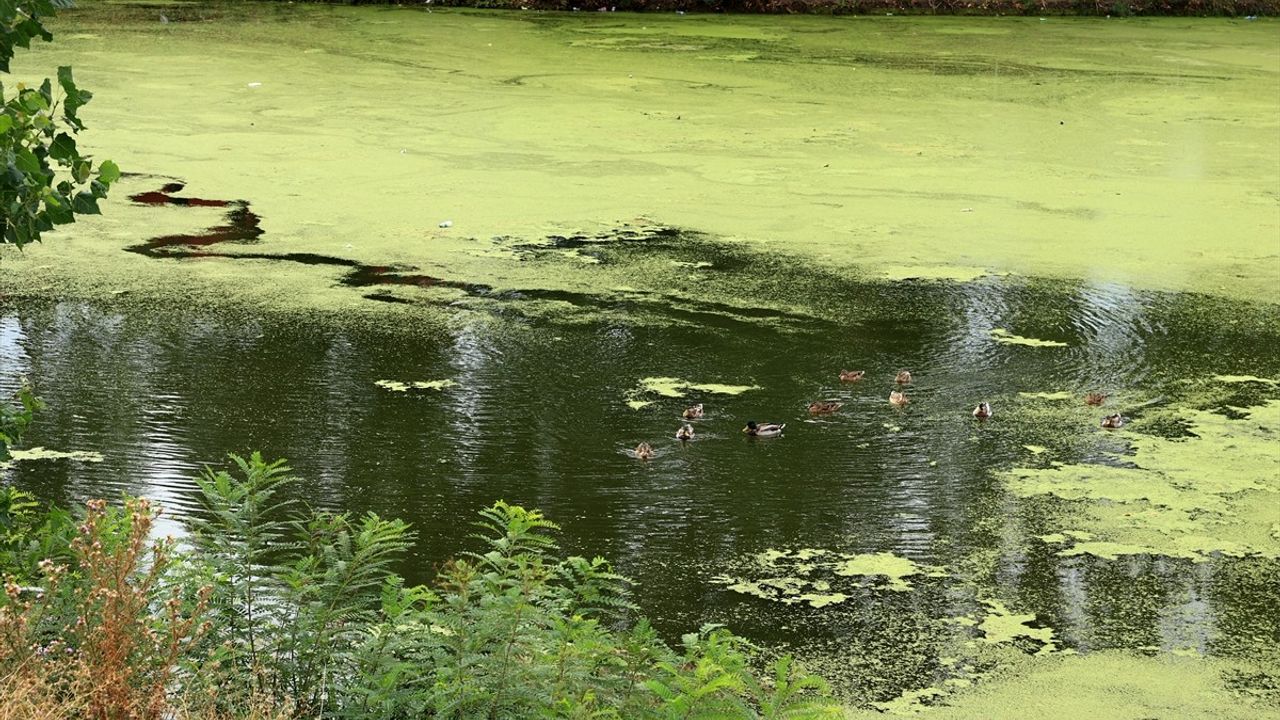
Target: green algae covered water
641,213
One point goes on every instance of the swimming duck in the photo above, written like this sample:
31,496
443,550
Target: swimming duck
851,375
1111,422
693,413
898,398
685,432
904,377
755,429
1094,398
644,451
982,411
822,407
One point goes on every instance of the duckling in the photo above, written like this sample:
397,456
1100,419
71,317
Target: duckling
644,451
693,413
822,407
1111,422
898,398
755,429
904,377
1094,398
982,411
685,433
851,375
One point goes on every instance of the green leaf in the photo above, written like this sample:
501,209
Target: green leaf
32,101
76,98
85,203
108,172
58,210
63,148
6,123
26,161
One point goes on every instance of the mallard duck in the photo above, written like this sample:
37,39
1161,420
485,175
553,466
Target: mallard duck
1111,422
685,432
1094,398
851,375
644,451
755,429
982,411
898,398
823,407
693,413
904,377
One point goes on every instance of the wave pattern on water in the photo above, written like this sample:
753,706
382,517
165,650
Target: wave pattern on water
537,414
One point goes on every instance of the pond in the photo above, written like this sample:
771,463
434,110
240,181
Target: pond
566,230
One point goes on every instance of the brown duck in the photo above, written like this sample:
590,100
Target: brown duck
822,407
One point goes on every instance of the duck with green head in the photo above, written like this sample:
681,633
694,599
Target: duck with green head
755,429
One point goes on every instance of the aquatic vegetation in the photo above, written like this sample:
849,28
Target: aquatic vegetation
754,173
673,387
814,570
39,453
1105,685
952,273
1246,379
804,220
891,567
1000,625
1060,395
1001,335
405,386
1188,497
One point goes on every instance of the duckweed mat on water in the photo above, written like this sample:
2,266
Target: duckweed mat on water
875,147
1215,491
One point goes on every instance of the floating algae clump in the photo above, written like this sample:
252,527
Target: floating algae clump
812,572
1000,625
397,386
895,569
1001,335
675,387
1245,379
1212,492
953,273
1063,395
1101,686
39,453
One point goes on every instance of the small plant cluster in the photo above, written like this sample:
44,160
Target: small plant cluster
270,611
15,421
45,180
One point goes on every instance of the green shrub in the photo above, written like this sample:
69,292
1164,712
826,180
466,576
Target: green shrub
302,613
